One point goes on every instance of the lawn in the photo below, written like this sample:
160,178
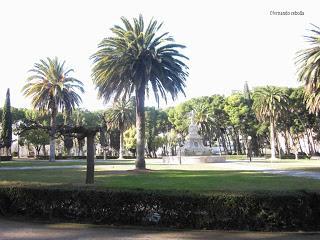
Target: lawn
34,163
118,174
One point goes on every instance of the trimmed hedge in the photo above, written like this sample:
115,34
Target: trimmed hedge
255,211
5,158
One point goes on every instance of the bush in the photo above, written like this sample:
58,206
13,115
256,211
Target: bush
5,158
255,211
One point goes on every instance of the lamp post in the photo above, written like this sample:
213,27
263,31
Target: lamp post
179,138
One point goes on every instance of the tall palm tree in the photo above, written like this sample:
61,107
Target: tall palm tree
51,88
134,60
308,62
268,103
121,116
203,118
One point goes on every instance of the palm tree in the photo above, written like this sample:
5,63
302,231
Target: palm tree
203,118
121,116
268,103
308,62
51,89
134,60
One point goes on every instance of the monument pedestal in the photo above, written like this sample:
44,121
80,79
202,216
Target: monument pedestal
193,159
193,151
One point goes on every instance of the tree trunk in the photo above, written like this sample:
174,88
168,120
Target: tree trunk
310,141
272,140
104,154
44,150
278,145
38,148
90,159
140,127
223,141
255,145
7,151
52,136
229,143
68,152
121,149
219,147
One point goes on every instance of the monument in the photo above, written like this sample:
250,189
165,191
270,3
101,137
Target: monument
194,142
193,151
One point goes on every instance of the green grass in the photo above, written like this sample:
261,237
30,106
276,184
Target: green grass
31,163
182,180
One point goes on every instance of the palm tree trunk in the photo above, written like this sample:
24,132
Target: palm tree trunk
310,141
90,159
140,126
52,135
272,140
121,148
278,144
286,142
104,154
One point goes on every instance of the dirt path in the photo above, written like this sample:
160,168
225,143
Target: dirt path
17,230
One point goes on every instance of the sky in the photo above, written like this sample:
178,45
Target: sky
228,42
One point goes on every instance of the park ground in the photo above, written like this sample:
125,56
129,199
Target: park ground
231,176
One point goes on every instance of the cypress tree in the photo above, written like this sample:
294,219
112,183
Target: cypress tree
246,91
6,133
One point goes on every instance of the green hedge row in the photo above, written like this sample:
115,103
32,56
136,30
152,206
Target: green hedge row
5,158
300,211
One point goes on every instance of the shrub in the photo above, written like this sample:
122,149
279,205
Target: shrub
5,158
254,211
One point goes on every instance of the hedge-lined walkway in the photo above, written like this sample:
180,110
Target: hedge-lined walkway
18,230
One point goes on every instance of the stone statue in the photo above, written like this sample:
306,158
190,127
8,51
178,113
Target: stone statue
192,115
193,150
194,142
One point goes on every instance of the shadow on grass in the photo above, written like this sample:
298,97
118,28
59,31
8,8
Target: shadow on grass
204,181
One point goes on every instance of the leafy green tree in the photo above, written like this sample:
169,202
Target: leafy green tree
242,119
136,59
219,120
51,88
308,62
178,117
156,123
103,136
130,140
269,102
299,121
37,137
6,133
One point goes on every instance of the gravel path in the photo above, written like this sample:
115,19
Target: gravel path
18,230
